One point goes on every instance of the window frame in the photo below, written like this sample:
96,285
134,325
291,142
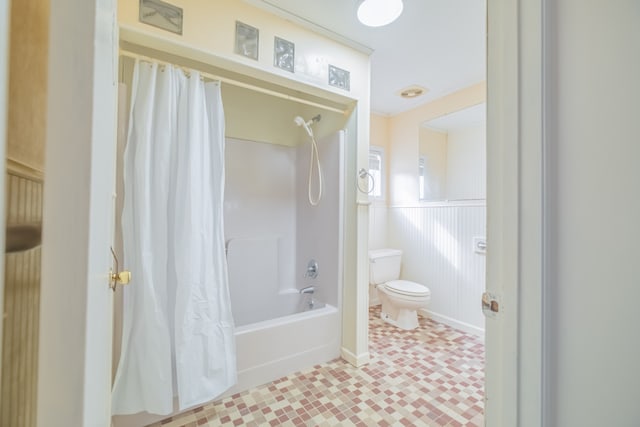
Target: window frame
379,151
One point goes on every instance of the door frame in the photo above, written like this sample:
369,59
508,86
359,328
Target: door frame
76,304
515,216
515,213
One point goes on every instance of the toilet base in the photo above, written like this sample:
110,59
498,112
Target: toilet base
401,318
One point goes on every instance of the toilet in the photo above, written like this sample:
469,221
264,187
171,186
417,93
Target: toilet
400,298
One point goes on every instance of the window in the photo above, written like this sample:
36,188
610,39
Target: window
375,170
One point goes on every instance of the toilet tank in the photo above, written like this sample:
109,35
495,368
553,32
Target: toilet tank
384,265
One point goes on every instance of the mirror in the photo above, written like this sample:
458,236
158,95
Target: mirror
452,156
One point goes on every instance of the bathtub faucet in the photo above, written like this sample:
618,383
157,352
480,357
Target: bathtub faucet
312,269
308,290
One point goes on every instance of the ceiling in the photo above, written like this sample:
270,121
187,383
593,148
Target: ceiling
436,44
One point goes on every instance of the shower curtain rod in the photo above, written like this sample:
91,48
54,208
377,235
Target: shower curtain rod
236,83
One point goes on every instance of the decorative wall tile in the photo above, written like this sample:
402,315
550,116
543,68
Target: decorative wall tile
339,78
284,54
247,40
162,15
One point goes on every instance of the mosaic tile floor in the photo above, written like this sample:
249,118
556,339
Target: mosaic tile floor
431,376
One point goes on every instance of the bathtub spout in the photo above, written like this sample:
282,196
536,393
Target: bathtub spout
308,290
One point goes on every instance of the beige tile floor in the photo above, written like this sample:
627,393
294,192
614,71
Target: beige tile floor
431,376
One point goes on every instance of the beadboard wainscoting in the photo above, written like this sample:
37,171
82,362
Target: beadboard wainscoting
21,307
438,251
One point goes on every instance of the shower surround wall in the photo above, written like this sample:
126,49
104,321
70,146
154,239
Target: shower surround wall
272,233
318,228
266,202
260,204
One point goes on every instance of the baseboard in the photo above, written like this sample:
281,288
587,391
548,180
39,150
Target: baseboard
465,327
357,361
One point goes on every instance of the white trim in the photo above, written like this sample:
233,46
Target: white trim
170,49
443,204
501,366
546,386
514,340
233,82
531,207
356,360
456,324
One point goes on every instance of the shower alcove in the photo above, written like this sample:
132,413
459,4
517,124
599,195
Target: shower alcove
271,230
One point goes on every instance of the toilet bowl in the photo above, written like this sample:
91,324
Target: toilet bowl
400,298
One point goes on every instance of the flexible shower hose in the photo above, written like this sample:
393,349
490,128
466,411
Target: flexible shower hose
314,154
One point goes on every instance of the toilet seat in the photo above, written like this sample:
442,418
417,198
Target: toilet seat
407,288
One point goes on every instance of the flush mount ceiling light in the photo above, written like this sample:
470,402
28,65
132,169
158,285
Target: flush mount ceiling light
376,13
412,92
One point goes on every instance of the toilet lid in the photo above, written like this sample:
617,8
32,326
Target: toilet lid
406,287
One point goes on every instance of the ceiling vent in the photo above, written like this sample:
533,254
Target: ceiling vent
413,92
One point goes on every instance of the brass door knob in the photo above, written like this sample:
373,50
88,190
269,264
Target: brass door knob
118,277
123,277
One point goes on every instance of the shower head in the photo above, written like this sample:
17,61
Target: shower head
306,125
299,121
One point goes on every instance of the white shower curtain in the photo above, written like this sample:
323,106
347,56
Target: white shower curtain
178,335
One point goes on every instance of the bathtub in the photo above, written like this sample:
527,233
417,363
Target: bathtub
277,306
276,332
266,350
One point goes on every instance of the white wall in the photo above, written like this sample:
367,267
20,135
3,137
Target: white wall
593,212
438,251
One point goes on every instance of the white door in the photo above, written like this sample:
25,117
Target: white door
74,384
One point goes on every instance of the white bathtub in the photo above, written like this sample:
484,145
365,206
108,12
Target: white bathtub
272,307
266,350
